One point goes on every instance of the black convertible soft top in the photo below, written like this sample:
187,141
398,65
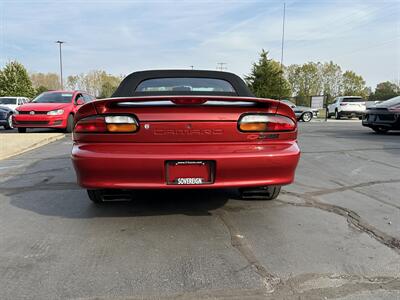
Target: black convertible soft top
128,86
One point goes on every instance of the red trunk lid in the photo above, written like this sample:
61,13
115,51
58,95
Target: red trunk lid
162,120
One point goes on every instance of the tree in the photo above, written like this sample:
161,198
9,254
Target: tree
385,90
41,89
324,79
107,89
15,81
266,79
331,78
96,82
51,81
353,85
305,81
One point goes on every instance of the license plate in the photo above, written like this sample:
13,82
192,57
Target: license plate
189,180
189,172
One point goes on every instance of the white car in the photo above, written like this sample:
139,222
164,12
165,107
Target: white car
349,106
13,102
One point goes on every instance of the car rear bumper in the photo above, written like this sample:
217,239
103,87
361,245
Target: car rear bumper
142,166
389,120
40,121
351,113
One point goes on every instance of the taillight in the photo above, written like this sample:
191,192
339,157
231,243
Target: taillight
91,124
107,124
265,122
121,124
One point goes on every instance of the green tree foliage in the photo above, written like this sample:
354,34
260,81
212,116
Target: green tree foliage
41,89
353,85
304,80
324,79
266,79
331,78
385,90
15,81
96,82
107,89
51,81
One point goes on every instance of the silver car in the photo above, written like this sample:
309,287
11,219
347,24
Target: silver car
303,113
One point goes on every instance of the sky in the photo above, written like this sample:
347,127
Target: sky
121,37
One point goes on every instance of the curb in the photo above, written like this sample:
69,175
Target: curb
33,146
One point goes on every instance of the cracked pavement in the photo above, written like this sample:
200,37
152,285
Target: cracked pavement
333,234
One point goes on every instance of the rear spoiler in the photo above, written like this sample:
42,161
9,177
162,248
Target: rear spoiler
102,105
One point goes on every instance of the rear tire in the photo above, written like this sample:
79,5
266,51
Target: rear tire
9,124
260,193
70,124
21,130
328,115
337,115
380,130
306,117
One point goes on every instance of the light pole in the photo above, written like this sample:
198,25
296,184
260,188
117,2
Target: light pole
61,74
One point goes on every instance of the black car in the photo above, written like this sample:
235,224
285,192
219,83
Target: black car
384,116
6,117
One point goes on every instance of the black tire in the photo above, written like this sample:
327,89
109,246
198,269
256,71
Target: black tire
360,118
379,129
21,130
307,116
328,116
95,195
260,193
337,115
9,124
70,124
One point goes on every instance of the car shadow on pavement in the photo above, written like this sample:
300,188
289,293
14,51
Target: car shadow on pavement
75,203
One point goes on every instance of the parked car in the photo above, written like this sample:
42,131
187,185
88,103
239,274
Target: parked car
53,109
13,102
303,113
184,129
346,106
6,117
383,116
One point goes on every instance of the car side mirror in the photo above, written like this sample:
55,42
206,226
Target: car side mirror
80,102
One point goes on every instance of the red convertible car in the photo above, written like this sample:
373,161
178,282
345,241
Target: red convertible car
181,129
54,109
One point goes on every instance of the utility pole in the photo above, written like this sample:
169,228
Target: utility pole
221,66
283,32
283,42
61,72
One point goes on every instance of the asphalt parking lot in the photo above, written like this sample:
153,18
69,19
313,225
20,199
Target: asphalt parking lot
334,233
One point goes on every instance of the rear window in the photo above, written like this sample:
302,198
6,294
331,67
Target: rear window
353,100
185,85
6,101
53,98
